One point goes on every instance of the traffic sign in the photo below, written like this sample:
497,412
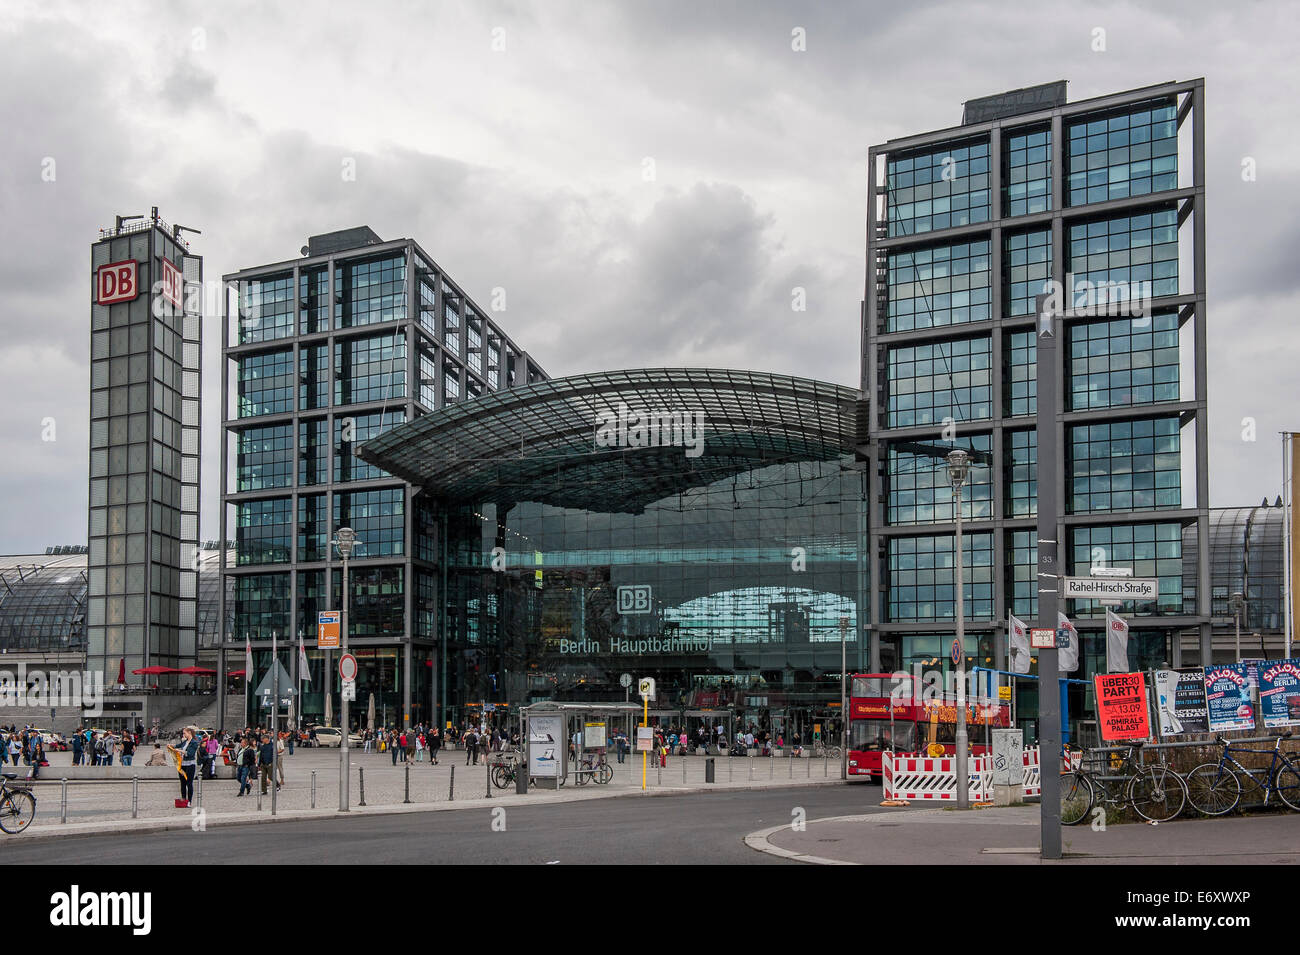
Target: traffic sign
348,667
1004,693
1042,638
327,629
646,687
1110,588
956,651
350,691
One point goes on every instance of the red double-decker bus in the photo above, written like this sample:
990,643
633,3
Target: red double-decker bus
886,712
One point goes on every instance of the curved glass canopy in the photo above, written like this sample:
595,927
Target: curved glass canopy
617,441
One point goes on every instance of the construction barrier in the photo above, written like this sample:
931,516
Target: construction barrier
917,777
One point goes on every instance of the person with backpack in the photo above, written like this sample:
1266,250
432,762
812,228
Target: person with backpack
246,759
471,746
128,749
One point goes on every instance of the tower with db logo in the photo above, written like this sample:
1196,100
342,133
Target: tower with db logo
145,378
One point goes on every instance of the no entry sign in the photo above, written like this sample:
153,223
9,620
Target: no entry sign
1122,706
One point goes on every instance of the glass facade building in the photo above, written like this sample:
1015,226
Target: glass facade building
1105,198
320,355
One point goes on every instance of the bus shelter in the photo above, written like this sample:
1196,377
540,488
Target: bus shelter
557,734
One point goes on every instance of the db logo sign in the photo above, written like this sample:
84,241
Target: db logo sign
634,599
116,282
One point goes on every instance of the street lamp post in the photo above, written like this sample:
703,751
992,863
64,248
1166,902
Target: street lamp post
958,469
345,539
1238,603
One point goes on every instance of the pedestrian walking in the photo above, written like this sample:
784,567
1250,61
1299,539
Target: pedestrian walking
247,761
265,760
435,743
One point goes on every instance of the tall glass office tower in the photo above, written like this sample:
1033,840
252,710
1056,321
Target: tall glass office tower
322,354
145,384
1105,196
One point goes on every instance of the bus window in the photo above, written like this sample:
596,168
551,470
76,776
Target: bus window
875,735
868,686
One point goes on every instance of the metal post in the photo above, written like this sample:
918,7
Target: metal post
63,800
683,770
1238,600
451,787
751,766
135,797
407,797
844,703
1049,573
345,762
275,722
487,781
361,775
198,787
957,463
313,789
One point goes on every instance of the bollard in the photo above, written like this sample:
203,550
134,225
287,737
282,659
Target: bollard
771,765
808,769
361,774
488,781
135,797
198,787
407,797
826,766
683,770
728,767
791,762
63,801
259,799
751,768
451,787
659,774
313,789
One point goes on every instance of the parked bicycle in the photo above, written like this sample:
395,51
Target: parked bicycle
822,750
1215,789
1156,793
17,806
593,768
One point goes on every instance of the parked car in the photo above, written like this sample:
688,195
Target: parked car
328,736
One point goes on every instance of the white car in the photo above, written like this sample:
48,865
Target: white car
333,736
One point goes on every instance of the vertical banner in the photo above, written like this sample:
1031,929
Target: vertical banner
1067,643
1180,696
1227,698
1018,645
1279,693
1116,643
1122,706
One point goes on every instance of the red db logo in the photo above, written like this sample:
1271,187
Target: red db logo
116,282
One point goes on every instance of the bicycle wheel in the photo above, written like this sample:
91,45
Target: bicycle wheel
581,774
1157,793
17,810
502,777
834,752
1076,798
1287,784
1213,790
604,773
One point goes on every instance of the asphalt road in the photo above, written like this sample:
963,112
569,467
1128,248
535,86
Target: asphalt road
703,828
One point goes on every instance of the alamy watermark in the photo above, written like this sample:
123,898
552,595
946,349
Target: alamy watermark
1103,299
83,689
626,428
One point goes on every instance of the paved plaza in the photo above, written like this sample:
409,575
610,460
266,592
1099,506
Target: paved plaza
93,806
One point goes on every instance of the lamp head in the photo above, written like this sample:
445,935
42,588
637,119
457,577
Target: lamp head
958,467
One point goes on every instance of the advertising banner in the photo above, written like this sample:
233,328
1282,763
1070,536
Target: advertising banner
1279,692
1227,697
1122,706
545,745
1180,701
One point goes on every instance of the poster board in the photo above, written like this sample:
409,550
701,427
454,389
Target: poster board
1279,693
546,748
1122,706
1227,697
1180,702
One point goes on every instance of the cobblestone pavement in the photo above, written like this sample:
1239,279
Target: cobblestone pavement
105,804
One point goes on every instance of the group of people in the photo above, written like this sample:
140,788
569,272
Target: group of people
23,747
253,752
99,749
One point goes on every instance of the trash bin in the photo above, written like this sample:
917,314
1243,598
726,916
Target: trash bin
708,769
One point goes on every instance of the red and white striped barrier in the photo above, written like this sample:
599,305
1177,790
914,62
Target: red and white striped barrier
1033,777
917,777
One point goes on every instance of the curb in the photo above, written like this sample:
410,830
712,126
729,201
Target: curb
57,831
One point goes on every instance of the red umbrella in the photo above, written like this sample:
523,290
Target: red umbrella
199,671
155,670
235,673
121,670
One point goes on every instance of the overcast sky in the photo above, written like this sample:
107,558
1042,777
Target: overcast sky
512,140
